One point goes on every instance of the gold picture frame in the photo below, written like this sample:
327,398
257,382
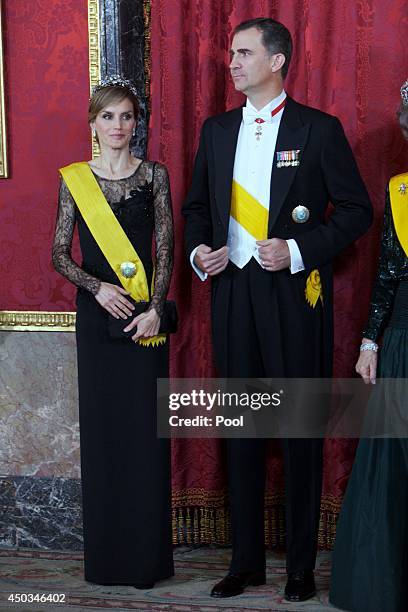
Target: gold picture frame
94,56
3,136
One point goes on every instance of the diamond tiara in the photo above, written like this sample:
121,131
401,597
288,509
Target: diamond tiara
115,80
404,93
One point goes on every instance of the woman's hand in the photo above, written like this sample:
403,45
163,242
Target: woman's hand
148,324
366,365
112,298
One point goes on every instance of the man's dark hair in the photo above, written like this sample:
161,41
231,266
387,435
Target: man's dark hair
276,37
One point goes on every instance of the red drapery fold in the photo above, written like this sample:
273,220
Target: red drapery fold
350,59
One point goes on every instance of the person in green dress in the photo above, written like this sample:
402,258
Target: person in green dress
370,557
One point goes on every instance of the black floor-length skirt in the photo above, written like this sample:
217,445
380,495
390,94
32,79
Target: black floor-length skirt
125,467
370,558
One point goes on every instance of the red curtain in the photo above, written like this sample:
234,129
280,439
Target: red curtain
47,91
350,59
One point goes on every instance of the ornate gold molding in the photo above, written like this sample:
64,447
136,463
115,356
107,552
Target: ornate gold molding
16,320
3,139
147,49
94,55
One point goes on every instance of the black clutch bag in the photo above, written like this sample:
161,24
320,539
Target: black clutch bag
168,320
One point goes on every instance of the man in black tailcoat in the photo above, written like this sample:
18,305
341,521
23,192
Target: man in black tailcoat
255,222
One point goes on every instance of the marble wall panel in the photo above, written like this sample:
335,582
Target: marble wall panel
8,512
39,433
41,513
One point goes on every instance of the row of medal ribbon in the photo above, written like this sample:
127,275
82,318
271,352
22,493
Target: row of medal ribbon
287,158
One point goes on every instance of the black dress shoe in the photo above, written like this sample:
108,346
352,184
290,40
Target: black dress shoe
234,584
300,586
143,586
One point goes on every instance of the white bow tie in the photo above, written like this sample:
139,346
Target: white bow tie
249,116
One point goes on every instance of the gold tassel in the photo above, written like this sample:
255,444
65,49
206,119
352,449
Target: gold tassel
313,289
180,535
202,526
175,526
196,533
211,526
188,527
267,527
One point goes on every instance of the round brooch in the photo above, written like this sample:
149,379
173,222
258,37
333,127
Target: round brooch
300,214
128,269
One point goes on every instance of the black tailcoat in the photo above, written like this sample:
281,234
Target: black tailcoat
327,172
262,325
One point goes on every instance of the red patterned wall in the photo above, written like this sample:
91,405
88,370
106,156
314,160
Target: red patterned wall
47,90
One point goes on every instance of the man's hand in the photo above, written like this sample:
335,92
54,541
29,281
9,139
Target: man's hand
274,254
209,261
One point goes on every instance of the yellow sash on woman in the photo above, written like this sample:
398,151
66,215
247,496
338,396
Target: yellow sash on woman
109,235
399,206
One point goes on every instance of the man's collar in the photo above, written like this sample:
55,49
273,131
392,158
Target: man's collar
268,108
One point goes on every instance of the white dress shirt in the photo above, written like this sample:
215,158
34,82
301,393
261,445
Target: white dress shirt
253,170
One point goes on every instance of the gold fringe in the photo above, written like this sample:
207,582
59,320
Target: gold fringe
153,341
210,523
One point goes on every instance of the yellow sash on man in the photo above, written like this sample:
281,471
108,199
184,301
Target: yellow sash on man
399,206
248,212
108,233
253,217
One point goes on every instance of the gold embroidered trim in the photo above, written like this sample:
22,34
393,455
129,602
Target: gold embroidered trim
94,56
11,320
147,50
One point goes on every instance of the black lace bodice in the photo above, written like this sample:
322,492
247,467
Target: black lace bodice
392,268
142,204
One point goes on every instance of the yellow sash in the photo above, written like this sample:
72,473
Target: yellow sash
253,217
248,212
399,207
108,233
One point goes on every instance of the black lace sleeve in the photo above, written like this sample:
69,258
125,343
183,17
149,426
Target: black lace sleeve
387,278
61,249
163,231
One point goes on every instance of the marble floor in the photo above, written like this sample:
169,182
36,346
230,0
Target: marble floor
27,572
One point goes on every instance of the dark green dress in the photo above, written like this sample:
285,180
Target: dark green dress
370,558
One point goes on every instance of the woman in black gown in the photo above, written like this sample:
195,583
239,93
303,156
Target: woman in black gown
370,558
125,467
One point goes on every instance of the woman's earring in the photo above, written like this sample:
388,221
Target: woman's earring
134,131
93,132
